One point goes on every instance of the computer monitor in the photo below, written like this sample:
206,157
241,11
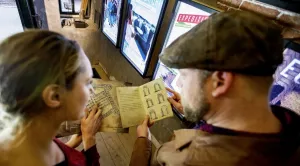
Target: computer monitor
142,22
111,19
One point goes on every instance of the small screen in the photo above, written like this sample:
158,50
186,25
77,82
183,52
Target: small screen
142,21
111,19
10,19
286,87
186,16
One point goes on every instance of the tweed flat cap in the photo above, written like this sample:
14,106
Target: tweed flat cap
235,41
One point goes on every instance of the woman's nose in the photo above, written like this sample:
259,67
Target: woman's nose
92,91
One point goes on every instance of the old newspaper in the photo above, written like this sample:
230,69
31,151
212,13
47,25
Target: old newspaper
105,97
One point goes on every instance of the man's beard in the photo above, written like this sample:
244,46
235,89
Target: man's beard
196,114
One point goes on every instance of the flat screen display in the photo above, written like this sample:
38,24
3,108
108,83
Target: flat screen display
10,19
143,19
187,14
70,6
286,87
111,19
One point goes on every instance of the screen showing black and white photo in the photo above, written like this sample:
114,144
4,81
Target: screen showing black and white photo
70,6
111,19
143,18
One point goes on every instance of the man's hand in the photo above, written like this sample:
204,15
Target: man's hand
90,125
75,141
175,100
143,129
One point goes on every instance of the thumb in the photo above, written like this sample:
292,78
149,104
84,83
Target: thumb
99,112
146,121
86,114
151,123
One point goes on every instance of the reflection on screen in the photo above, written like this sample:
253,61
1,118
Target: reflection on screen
66,6
186,17
77,5
9,18
140,26
111,19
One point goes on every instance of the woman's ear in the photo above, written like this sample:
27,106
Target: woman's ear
221,82
52,96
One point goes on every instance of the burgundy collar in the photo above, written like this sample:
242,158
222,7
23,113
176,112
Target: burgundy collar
289,120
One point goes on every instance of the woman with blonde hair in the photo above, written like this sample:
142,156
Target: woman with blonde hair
45,79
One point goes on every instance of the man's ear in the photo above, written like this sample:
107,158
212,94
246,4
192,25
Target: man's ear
52,96
221,82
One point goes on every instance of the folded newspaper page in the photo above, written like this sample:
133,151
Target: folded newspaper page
105,97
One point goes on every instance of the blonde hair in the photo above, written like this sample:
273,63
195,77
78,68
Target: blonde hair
29,61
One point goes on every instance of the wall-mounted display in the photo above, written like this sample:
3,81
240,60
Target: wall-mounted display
187,14
286,87
69,6
142,22
111,20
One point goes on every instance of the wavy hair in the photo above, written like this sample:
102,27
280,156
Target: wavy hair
29,61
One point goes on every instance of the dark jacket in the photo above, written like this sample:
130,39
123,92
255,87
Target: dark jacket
213,146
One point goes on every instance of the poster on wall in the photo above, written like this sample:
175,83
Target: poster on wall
143,19
187,15
112,10
286,87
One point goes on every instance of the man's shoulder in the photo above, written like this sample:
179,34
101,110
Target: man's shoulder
183,137
193,146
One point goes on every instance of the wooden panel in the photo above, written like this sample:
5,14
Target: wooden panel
116,149
101,72
132,132
105,156
209,3
127,142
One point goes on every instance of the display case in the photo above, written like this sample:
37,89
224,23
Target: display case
142,22
186,15
285,90
111,19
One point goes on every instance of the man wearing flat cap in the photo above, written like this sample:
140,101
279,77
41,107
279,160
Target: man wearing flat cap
226,65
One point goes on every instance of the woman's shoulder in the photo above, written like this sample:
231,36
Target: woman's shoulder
72,156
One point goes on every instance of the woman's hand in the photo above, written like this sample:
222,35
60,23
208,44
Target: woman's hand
90,125
143,129
175,100
75,141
